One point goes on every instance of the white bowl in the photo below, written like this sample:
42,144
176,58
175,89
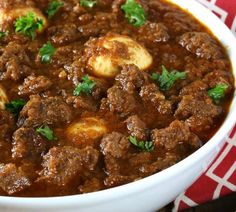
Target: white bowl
150,193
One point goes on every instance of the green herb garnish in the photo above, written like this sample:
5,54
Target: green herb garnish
28,25
85,86
15,106
46,52
218,92
3,34
88,3
167,79
134,12
142,145
46,132
53,7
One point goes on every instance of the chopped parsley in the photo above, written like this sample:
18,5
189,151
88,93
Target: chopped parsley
3,34
88,3
28,25
218,92
53,7
142,145
85,86
167,79
46,52
46,132
134,12
15,106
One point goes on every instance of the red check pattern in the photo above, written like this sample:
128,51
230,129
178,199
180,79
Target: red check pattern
220,178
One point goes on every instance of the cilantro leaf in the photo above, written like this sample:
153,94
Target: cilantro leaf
88,3
28,25
53,8
134,12
46,132
142,145
15,106
46,52
167,79
3,34
85,86
218,92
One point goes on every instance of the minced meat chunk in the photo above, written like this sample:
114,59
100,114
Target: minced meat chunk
62,164
194,88
116,180
161,163
214,78
7,125
82,103
201,44
179,22
115,144
151,93
154,33
50,110
178,133
62,34
99,89
137,127
14,62
131,78
34,85
13,179
91,185
198,111
119,101
27,144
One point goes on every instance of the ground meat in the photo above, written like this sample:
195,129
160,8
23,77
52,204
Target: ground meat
14,62
93,29
66,55
137,128
82,103
201,44
154,33
91,185
62,164
34,85
62,34
119,101
115,144
150,93
27,144
197,68
194,88
219,77
115,147
131,78
179,22
198,111
31,3
116,180
100,88
160,5
161,163
50,110
13,179
75,71
7,125
177,133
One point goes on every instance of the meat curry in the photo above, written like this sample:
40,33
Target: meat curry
98,93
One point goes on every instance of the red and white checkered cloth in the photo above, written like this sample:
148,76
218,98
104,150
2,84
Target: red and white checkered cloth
220,178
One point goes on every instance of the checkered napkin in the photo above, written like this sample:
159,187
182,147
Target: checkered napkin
220,178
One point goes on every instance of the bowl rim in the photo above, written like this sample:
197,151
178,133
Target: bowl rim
229,41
